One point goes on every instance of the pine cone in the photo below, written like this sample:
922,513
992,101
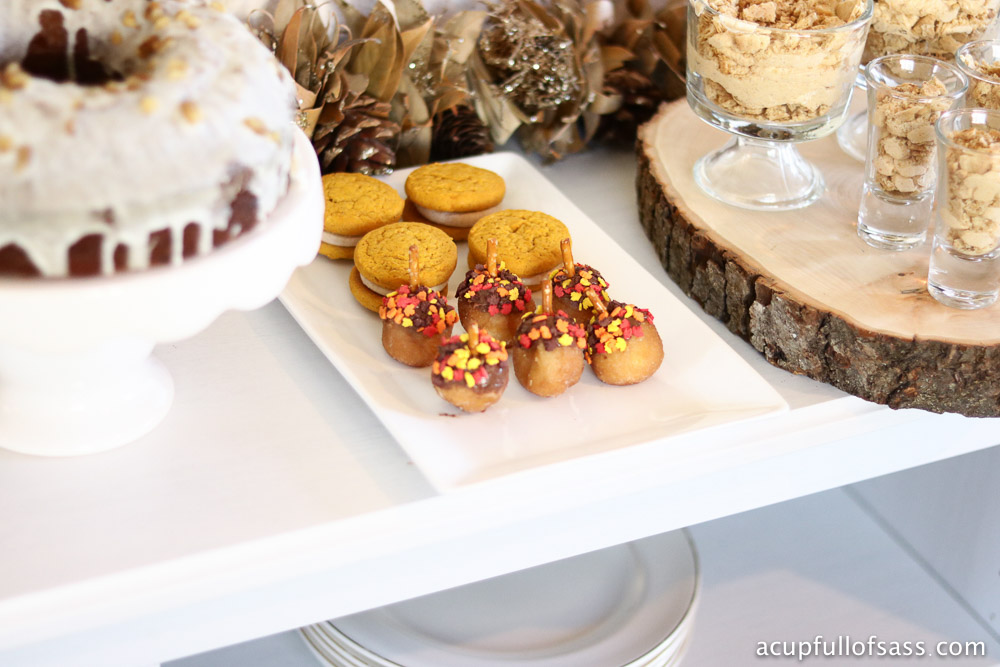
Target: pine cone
639,101
459,133
355,134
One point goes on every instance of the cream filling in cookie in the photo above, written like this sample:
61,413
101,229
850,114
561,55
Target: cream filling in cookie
455,219
341,241
378,289
535,279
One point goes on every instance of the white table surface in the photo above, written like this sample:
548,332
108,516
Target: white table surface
814,566
272,497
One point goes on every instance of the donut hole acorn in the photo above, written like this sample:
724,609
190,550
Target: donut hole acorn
493,298
548,351
570,284
471,370
415,319
623,346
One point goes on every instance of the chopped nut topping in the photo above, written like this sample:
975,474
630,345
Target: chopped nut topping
190,111
149,104
128,19
23,157
188,19
13,77
71,4
153,11
217,6
256,125
70,126
176,69
152,45
116,37
134,82
6,143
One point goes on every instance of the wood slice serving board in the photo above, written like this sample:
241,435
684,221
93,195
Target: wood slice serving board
805,290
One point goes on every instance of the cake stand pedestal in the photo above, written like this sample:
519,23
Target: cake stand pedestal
804,290
76,374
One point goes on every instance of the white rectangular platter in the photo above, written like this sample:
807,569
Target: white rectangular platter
701,384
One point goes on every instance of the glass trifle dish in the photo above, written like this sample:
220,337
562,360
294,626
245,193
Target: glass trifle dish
772,73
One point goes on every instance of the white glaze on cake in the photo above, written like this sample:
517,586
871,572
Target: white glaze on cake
204,111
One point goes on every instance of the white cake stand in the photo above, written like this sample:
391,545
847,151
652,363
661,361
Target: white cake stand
76,375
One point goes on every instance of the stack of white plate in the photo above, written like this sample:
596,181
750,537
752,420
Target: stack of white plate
632,605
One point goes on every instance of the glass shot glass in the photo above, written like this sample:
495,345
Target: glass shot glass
980,62
906,95
965,257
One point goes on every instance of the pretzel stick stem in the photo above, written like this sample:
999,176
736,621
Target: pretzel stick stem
414,267
567,253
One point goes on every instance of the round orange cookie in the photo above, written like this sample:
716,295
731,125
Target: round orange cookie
454,187
381,260
355,205
453,193
528,242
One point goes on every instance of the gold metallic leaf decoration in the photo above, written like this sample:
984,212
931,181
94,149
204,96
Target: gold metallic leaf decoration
381,89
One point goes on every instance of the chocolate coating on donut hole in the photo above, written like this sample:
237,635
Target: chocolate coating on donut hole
471,370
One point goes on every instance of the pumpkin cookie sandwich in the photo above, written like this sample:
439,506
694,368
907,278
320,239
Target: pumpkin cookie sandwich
382,261
528,243
454,195
355,205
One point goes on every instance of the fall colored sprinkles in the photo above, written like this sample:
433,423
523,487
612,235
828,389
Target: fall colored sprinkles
421,308
499,294
611,333
468,362
573,285
552,330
